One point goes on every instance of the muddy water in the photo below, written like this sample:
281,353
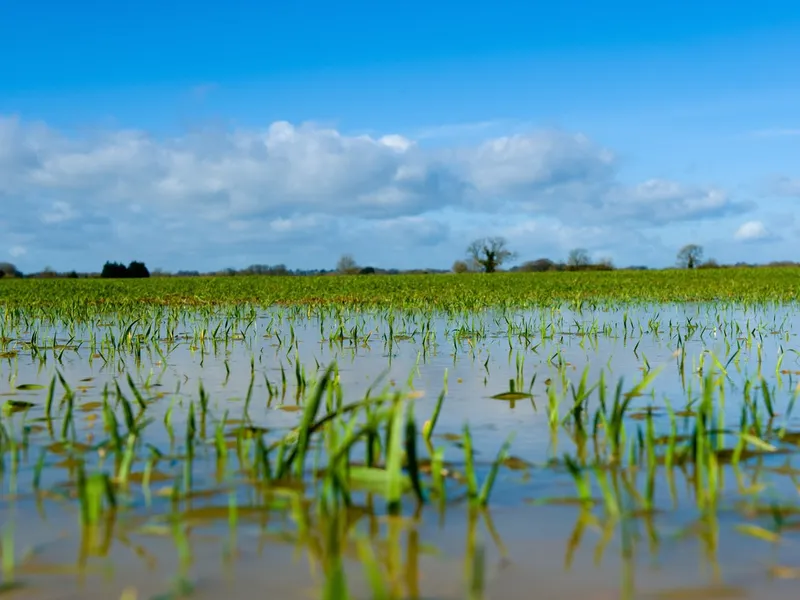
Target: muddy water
551,551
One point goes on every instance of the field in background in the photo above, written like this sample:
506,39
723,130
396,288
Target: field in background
447,292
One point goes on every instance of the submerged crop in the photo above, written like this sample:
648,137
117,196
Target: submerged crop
389,446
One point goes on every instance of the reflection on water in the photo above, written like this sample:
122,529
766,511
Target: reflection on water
567,517
559,552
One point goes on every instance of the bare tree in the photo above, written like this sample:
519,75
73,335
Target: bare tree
578,257
489,253
690,256
347,265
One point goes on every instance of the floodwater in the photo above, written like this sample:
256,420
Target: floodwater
537,542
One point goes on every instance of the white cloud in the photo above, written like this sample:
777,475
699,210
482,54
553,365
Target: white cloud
661,201
17,251
218,193
521,164
398,142
284,168
752,231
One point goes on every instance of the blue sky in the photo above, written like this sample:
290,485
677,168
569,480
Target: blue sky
205,135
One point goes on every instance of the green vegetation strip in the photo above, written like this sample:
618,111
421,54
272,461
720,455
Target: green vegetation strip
446,292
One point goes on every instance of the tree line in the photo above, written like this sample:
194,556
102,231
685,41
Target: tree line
485,255
135,270
489,254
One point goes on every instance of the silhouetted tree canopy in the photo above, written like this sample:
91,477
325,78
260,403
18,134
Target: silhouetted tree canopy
138,270
9,270
135,270
113,270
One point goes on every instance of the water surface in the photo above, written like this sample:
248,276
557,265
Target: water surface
535,535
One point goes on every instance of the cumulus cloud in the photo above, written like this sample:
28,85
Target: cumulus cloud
285,183
521,165
660,201
286,168
752,231
239,173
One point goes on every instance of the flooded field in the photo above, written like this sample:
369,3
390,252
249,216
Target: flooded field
563,438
